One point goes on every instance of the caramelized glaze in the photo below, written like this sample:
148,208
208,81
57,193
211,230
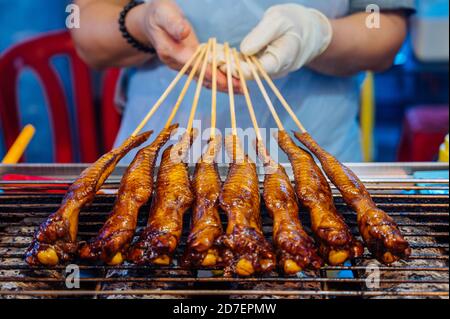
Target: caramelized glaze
245,250
314,193
206,226
56,239
173,197
295,249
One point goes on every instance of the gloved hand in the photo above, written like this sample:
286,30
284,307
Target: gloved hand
165,27
288,37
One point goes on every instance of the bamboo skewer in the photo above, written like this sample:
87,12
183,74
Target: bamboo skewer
199,88
278,94
214,90
230,89
186,87
247,96
167,92
265,95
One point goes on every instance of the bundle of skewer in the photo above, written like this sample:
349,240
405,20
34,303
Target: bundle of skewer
241,248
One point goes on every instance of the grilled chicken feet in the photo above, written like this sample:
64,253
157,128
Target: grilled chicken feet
313,191
379,231
56,239
135,190
206,225
173,198
245,250
295,249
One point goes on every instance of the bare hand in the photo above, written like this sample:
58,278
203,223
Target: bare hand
169,32
174,39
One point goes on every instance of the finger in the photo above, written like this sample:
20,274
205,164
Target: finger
248,75
237,86
220,55
268,30
170,18
285,49
270,63
221,80
235,72
164,46
223,69
222,83
207,85
173,53
208,74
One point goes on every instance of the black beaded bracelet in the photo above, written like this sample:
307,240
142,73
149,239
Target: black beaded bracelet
126,34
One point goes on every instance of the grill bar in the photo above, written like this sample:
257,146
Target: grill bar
176,268
420,207
114,184
264,293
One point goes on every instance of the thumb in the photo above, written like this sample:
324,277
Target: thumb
270,63
170,18
268,30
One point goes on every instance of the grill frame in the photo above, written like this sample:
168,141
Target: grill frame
426,214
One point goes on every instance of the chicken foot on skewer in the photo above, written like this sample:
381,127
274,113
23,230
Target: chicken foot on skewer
173,197
313,191
295,249
206,224
56,239
245,250
379,231
135,190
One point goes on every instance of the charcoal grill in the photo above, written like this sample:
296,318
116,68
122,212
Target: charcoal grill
420,207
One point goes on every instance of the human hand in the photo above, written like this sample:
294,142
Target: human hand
222,79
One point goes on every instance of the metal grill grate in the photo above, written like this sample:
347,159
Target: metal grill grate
421,210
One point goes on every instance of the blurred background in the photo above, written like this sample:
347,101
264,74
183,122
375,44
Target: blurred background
404,111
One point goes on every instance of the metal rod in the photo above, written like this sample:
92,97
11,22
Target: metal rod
424,216
167,92
364,180
159,292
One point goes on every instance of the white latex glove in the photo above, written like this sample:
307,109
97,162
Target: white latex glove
288,37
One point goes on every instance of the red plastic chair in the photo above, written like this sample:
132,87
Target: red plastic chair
424,130
36,54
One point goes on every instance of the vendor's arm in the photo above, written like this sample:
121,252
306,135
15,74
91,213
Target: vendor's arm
355,47
159,24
